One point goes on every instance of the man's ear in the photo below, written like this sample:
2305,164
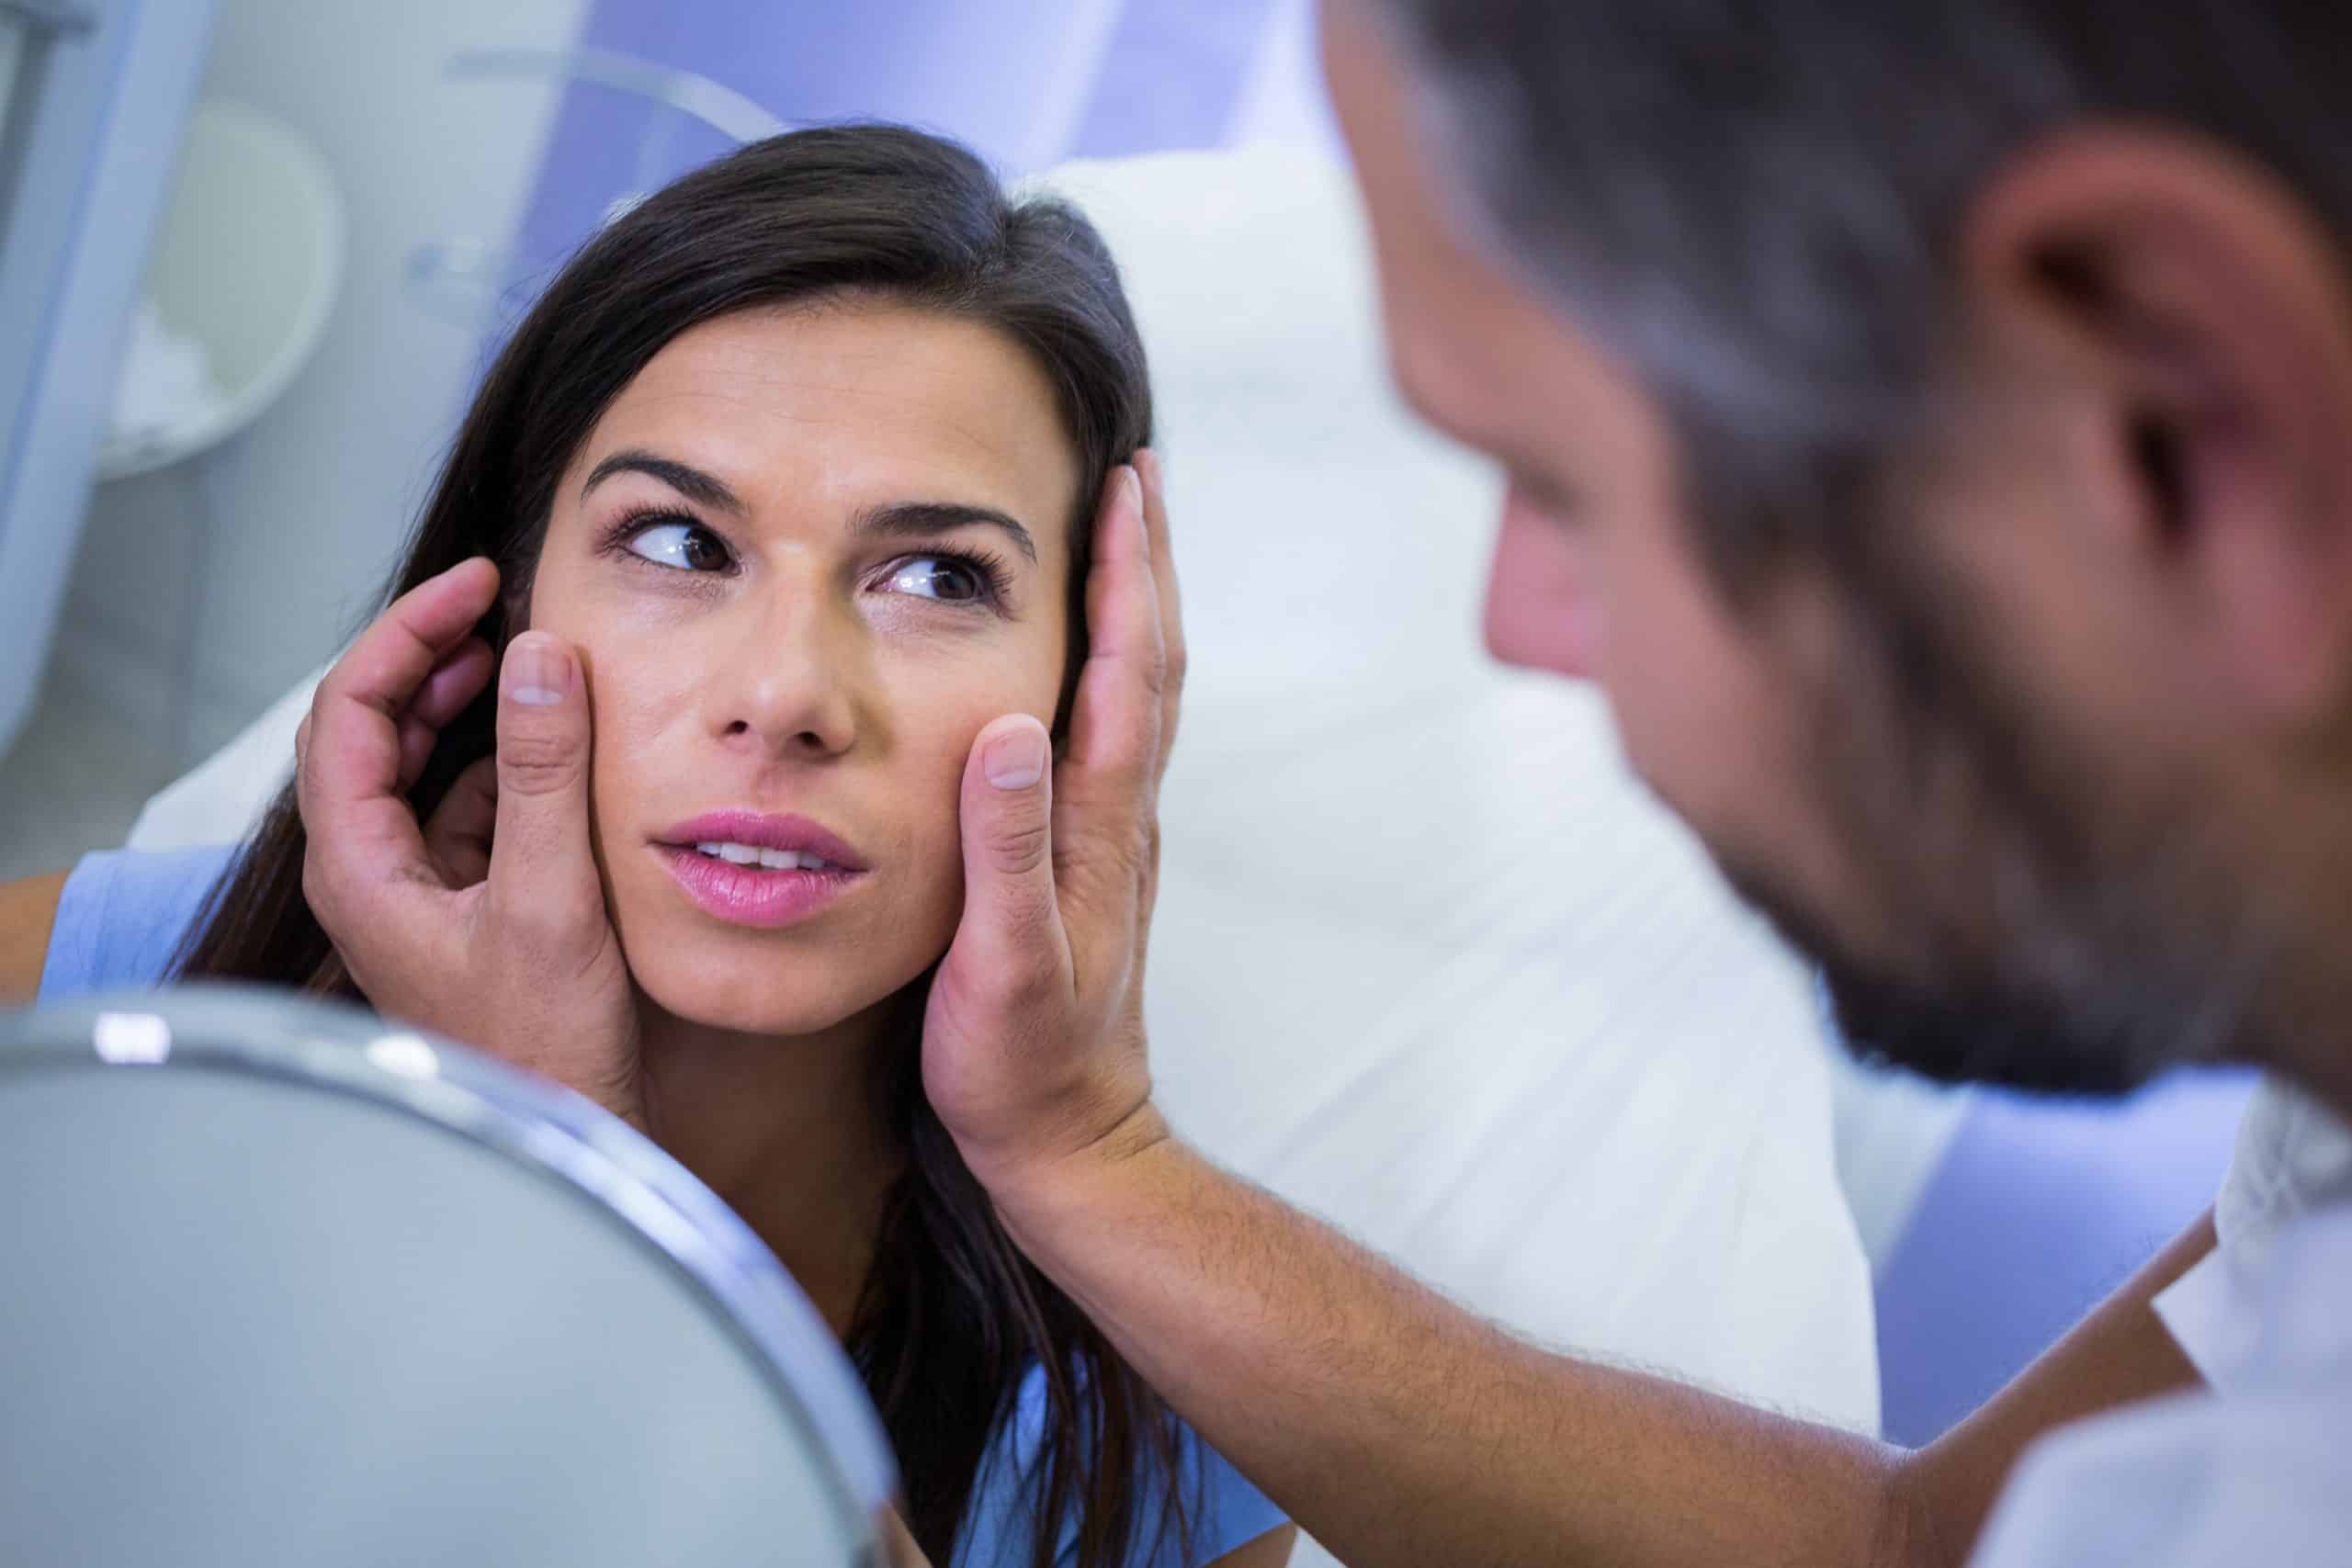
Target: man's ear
2209,309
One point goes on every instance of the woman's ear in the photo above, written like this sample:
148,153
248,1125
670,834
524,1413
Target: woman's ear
2208,308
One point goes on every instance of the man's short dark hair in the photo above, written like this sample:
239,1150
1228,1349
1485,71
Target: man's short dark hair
1754,204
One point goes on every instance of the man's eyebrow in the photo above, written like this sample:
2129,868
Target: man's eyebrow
923,519
708,490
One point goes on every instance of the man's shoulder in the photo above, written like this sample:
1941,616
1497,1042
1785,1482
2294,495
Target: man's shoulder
2200,1480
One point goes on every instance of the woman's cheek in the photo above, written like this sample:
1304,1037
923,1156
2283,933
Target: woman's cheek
627,719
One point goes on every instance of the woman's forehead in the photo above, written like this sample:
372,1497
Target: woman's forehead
850,403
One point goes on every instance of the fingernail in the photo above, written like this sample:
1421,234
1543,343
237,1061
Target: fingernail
1016,758
1130,482
538,670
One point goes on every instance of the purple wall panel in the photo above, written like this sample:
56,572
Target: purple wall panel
2040,1208
1172,76
1169,76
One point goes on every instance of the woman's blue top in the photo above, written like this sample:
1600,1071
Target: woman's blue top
119,921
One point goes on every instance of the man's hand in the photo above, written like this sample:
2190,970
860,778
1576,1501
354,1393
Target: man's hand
1033,1044
487,924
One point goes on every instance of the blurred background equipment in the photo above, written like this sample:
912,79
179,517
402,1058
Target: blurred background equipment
467,278
237,292
236,295
94,105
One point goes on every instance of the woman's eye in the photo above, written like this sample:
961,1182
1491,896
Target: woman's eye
688,547
938,577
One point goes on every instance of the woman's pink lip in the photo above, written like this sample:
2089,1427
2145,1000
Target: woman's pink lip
763,831
752,894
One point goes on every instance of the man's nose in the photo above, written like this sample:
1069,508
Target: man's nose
1541,613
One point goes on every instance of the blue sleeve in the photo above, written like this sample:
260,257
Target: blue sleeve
1226,1512
122,915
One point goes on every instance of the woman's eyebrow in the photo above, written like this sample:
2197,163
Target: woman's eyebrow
708,490
900,519
925,519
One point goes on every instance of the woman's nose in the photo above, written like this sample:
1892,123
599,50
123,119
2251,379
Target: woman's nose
788,688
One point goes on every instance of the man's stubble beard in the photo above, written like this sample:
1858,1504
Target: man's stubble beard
2062,931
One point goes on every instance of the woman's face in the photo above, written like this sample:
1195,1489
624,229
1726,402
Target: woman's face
805,557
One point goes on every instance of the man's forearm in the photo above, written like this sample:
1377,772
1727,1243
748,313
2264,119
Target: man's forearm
1401,1430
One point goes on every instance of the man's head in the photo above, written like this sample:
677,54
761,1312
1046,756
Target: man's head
1932,425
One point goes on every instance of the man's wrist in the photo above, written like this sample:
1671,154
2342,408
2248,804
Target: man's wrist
1038,1198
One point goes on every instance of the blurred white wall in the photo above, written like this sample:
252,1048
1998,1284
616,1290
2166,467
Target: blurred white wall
308,508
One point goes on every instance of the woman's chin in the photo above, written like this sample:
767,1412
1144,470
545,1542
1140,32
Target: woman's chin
768,999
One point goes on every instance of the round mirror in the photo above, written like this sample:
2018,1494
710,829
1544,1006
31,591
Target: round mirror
288,1285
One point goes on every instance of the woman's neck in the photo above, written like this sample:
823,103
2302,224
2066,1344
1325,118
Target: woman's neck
789,1131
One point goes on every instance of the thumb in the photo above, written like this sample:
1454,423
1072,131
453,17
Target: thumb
1010,925
542,870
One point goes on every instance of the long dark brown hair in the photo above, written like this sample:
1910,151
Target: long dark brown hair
951,1317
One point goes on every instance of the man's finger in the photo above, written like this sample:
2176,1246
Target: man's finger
455,683
461,676
543,877
1171,605
460,833
1012,932
1114,721
350,785
391,661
